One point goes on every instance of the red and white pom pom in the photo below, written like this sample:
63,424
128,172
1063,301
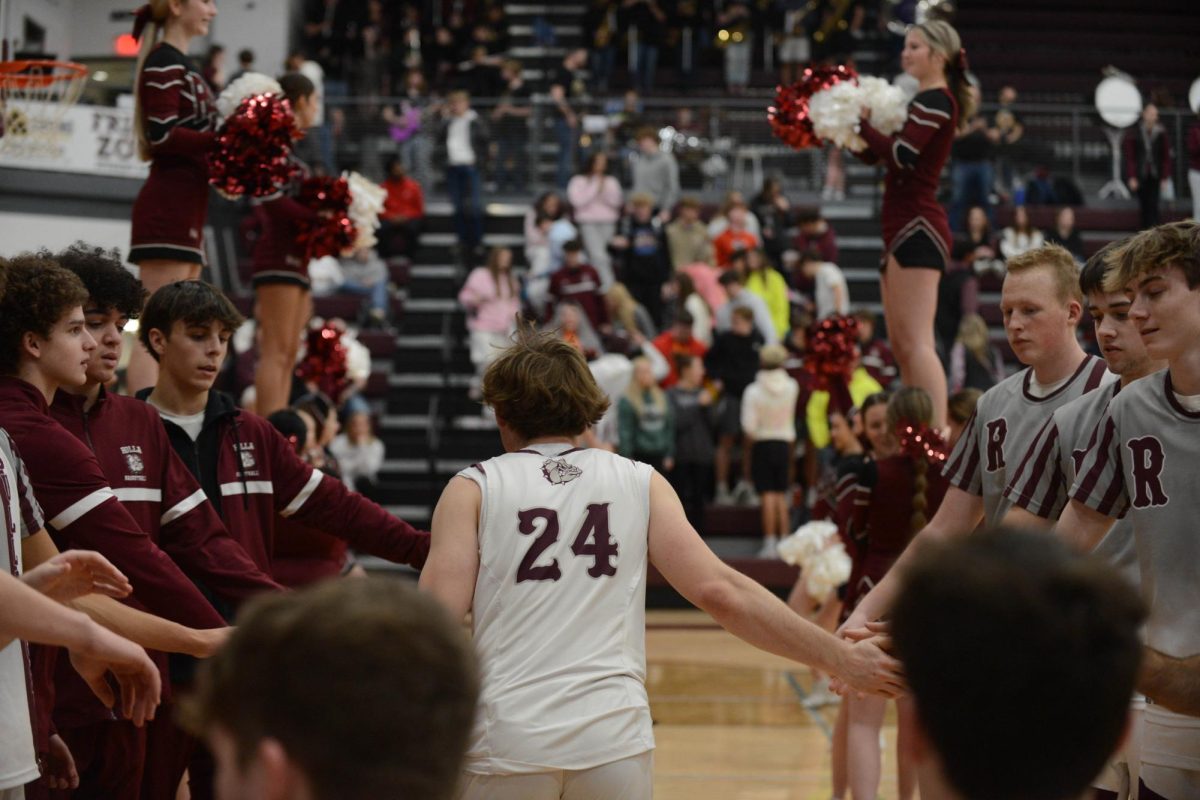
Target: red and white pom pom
789,116
333,233
251,156
836,112
248,85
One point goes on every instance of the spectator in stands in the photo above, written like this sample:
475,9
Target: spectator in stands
736,36
795,49
648,19
769,421
646,420
736,237
1065,233
831,295
1006,133
630,321
546,210
732,364
597,202
317,147
720,222
365,275
407,127
579,283
491,300
572,326
1193,148
815,233
687,236
774,214
357,736
971,171
676,341
740,298
641,256
213,67
695,430
876,353
974,363
359,453
566,89
958,295
656,173
403,214
961,408
688,299
465,137
510,123
760,278
245,64
601,22
1148,163
976,248
1021,236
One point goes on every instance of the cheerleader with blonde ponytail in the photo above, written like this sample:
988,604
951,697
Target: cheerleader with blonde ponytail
174,124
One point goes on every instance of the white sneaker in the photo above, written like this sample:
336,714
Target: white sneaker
745,494
770,548
724,496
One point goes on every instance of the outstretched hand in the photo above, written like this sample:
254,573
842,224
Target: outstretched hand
137,677
76,573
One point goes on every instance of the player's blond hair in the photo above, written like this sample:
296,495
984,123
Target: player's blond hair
541,386
1055,260
1176,244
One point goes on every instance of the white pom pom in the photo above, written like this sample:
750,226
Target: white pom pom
366,203
888,104
248,85
827,570
808,540
835,113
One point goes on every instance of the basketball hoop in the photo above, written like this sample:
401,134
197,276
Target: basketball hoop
34,97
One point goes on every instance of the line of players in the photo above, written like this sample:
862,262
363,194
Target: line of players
180,490
1107,458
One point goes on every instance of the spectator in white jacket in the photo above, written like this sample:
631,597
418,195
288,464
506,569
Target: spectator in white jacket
491,300
359,454
769,421
596,200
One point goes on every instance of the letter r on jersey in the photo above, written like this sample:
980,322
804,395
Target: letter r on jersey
1147,460
997,430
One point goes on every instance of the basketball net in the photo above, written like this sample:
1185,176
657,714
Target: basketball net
34,97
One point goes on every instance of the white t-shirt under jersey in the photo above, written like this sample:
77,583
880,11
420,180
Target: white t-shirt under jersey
560,610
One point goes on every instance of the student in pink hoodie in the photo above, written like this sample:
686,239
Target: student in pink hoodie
596,201
491,299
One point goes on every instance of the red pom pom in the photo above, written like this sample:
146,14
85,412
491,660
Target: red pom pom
789,116
334,232
921,441
324,363
830,357
251,155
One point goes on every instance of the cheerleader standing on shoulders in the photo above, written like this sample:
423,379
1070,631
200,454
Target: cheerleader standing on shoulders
905,481
174,123
281,285
916,233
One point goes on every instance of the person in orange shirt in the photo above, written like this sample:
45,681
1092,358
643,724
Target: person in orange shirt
734,238
403,214
678,341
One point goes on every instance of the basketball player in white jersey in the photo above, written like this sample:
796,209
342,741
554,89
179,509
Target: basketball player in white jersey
1143,464
1041,485
1042,307
548,547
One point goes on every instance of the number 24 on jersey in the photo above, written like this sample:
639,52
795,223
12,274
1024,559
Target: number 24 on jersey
592,540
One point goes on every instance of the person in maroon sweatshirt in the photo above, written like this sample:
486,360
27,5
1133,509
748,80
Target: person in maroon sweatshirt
131,446
44,344
247,468
580,283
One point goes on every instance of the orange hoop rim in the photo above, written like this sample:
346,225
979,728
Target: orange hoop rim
12,73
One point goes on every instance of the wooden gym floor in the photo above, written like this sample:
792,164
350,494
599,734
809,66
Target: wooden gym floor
730,725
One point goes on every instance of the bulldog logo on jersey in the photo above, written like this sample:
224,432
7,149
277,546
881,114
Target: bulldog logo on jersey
247,459
556,471
134,462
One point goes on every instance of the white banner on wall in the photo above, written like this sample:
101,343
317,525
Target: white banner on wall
92,140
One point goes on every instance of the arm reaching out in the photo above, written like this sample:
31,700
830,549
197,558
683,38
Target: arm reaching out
453,564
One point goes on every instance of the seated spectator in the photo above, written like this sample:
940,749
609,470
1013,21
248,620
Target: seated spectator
774,214
769,421
732,364
629,319
831,295
365,275
597,202
573,328
656,173
403,214
877,355
1066,234
579,283
688,299
740,298
540,219
393,718
359,453
815,233
718,224
695,430
976,248
1020,237
760,278
687,236
974,363
491,300
677,341
647,420
1044,630
735,237
640,255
